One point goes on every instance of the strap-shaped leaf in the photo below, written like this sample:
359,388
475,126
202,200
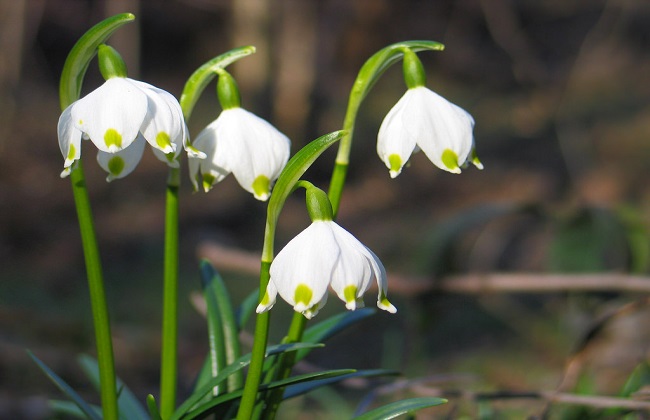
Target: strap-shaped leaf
247,308
205,74
323,330
128,405
239,364
392,410
68,408
213,404
83,51
285,184
222,324
66,389
303,388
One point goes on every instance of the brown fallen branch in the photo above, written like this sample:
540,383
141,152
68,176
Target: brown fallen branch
230,259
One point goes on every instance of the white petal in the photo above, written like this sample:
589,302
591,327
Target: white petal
259,149
69,138
269,299
394,142
438,125
218,152
353,271
112,114
163,126
308,259
120,164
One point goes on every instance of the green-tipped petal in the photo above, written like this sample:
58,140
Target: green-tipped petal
449,158
120,164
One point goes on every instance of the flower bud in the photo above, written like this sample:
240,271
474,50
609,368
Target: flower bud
414,74
110,62
227,91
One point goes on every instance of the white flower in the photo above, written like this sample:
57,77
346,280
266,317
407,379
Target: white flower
322,255
244,144
424,120
120,117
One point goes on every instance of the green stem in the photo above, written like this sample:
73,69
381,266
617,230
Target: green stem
97,296
254,375
169,350
285,364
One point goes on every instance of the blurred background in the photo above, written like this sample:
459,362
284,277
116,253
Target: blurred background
528,276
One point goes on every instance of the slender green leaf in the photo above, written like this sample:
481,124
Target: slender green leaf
286,183
239,364
390,411
153,408
84,50
218,298
303,388
66,389
323,330
247,308
205,74
69,408
208,408
128,404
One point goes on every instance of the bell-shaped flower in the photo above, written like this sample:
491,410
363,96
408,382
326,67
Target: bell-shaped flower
119,118
240,142
424,120
323,255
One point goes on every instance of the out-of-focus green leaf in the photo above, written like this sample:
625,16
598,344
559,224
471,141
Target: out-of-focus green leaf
213,405
592,240
247,308
128,404
436,253
303,388
392,410
66,389
323,330
639,378
240,363
638,238
68,408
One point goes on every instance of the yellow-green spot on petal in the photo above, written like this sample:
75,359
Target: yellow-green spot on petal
116,165
266,299
395,162
450,160
72,151
163,141
350,293
303,294
261,188
113,139
475,160
208,182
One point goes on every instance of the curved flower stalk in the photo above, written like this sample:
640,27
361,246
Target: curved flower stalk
240,142
323,255
424,120
120,117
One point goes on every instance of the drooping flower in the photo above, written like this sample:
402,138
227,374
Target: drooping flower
120,117
240,142
323,255
424,120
